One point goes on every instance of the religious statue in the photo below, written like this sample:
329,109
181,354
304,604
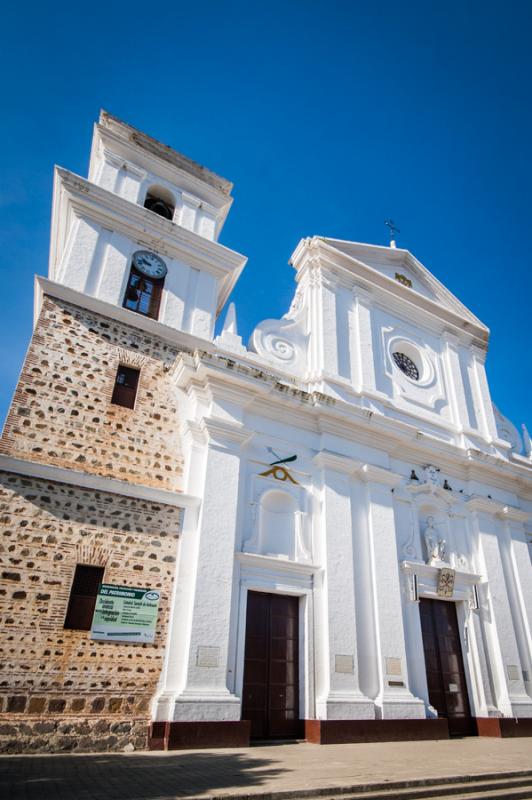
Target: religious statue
435,546
432,475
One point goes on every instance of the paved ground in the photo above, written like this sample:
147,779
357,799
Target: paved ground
164,776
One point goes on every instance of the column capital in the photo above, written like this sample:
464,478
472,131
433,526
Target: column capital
484,504
362,294
372,474
450,338
223,432
326,459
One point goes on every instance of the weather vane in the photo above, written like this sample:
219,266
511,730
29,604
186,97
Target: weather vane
390,224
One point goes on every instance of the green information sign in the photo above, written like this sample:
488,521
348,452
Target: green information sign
124,614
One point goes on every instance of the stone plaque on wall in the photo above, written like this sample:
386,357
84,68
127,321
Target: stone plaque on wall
345,664
513,672
208,656
393,666
446,582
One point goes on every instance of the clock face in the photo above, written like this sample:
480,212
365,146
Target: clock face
149,264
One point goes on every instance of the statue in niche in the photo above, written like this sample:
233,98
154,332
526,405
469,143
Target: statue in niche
434,544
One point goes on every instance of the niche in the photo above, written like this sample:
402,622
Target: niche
277,524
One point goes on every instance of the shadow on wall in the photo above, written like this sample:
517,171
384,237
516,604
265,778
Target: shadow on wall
130,777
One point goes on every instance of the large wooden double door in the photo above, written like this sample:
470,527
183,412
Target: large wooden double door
271,666
445,666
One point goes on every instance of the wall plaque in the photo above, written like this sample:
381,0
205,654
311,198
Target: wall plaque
446,582
125,614
345,664
208,656
393,666
513,672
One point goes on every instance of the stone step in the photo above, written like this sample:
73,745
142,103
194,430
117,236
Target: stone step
515,785
514,789
497,794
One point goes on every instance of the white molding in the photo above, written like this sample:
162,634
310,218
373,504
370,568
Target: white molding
447,309
428,571
313,411
86,480
277,565
221,431
372,474
337,462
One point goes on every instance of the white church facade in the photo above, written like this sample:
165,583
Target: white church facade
335,516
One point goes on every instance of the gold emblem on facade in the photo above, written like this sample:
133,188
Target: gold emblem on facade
403,279
277,470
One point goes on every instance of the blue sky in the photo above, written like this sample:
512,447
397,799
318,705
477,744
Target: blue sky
327,116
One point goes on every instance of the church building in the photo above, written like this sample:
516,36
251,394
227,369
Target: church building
320,534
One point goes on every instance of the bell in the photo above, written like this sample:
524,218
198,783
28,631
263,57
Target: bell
159,207
132,295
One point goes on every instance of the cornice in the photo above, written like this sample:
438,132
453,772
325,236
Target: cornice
87,480
74,194
422,569
514,514
485,504
271,564
167,162
314,412
448,497
501,510
179,339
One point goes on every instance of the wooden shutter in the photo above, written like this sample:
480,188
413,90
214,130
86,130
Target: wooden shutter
125,389
82,599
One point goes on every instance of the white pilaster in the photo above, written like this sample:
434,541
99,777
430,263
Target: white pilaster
456,385
205,694
496,615
340,697
394,700
481,395
363,363
518,570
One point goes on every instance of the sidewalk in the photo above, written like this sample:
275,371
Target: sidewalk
255,770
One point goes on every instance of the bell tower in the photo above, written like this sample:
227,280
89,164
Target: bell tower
142,232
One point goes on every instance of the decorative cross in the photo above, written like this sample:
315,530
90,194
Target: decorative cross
390,224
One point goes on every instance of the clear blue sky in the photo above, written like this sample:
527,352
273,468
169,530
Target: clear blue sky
328,117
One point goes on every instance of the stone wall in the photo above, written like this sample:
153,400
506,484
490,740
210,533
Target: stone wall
61,413
60,690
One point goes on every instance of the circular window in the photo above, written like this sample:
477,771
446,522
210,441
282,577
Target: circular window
406,365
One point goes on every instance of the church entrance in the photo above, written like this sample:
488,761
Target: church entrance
445,666
271,666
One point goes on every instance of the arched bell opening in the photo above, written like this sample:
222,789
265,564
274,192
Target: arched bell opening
161,201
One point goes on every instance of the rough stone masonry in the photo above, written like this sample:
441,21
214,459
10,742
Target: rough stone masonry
60,690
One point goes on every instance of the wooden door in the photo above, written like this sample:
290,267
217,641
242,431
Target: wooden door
271,666
445,666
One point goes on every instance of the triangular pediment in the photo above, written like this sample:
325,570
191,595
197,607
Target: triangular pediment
403,268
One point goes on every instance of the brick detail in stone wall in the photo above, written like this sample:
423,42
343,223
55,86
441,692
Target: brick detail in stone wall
50,674
61,413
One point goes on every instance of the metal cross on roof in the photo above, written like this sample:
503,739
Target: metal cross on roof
390,224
